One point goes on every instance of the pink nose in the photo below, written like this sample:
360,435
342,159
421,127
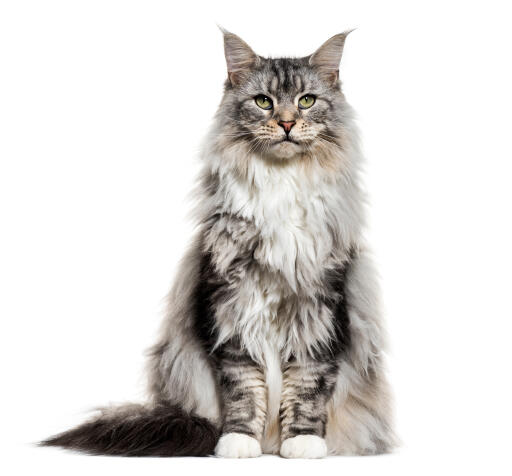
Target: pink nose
287,125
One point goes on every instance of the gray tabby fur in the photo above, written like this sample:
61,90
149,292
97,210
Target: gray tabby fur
273,332
299,213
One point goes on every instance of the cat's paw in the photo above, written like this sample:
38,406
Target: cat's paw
237,445
304,446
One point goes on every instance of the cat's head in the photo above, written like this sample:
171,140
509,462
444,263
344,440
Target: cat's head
282,108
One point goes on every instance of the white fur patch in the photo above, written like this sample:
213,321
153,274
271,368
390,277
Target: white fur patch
304,446
237,445
274,383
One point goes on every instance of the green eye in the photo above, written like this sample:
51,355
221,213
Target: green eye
263,101
305,102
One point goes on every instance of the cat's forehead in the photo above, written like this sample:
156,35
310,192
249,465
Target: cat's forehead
283,77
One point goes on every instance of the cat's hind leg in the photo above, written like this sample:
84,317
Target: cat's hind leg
360,420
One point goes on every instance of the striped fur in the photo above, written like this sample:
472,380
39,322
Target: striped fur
273,338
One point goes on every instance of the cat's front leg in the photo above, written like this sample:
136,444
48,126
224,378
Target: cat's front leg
307,387
243,390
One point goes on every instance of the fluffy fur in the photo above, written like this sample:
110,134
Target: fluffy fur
273,335
136,430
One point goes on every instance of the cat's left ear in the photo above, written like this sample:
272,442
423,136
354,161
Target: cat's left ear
240,58
326,59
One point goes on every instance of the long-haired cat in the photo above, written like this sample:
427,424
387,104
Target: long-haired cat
273,340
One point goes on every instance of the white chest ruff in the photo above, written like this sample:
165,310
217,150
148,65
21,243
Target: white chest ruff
302,219
294,213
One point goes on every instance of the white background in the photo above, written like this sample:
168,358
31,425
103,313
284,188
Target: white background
103,105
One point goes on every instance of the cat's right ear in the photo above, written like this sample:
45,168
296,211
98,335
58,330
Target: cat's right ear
240,58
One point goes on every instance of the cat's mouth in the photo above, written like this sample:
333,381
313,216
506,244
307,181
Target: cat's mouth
288,139
285,148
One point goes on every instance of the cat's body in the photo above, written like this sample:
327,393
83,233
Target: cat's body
273,333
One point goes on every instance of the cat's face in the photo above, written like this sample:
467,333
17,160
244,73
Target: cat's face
282,108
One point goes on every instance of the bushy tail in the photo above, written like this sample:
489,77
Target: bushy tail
137,430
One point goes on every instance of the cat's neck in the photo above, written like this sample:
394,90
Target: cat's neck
294,197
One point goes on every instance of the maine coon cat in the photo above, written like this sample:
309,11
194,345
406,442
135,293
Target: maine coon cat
272,341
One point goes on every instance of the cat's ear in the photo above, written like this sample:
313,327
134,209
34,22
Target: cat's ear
326,59
240,58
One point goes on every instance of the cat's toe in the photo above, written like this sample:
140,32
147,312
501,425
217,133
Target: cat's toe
237,445
304,446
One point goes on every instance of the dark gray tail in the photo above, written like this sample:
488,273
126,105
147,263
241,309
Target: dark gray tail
136,430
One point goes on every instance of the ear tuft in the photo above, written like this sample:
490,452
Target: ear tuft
240,58
327,58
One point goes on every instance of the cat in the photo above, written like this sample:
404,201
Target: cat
273,341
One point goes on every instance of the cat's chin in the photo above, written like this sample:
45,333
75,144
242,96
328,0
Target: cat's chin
285,150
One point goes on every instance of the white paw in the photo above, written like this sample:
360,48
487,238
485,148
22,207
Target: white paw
304,446
237,445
